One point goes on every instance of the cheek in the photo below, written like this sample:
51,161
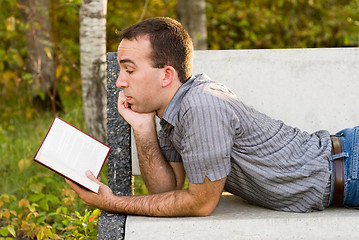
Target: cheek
147,85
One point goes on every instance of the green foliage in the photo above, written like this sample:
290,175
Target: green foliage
121,14
139,186
12,59
237,24
15,80
46,215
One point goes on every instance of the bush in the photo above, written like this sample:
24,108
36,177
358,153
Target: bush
246,24
46,213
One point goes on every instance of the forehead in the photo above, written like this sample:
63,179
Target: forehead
135,49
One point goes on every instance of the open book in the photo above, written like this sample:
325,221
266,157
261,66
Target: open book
70,152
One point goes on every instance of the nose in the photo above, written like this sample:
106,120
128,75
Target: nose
121,81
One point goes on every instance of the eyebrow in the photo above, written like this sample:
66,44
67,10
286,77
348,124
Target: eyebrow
122,61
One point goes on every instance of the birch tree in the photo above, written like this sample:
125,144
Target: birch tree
192,15
93,65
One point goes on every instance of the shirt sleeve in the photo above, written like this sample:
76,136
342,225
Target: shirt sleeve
208,137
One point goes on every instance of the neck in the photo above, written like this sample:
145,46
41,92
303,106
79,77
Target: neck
170,92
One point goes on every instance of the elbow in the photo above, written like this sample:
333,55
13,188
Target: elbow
205,210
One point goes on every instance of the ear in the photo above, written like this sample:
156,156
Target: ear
170,74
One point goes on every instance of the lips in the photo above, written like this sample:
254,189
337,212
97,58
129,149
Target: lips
128,98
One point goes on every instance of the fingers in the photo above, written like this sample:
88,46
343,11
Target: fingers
74,186
81,192
92,177
122,103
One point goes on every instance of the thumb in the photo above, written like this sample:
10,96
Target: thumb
92,177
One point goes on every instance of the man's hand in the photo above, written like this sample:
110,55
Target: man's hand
101,200
135,119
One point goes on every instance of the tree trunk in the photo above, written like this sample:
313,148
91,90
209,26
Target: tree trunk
93,65
192,15
40,46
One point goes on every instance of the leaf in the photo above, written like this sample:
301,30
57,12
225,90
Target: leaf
7,198
64,210
53,199
11,230
58,210
27,76
94,215
24,203
3,231
37,187
29,112
36,197
44,205
24,163
40,93
10,23
13,212
32,208
9,75
48,52
59,71
6,214
71,227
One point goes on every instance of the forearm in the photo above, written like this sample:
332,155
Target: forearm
177,203
156,172
197,200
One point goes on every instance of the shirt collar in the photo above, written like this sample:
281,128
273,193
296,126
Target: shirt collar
171,111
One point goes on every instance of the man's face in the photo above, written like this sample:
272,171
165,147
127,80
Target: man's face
141,83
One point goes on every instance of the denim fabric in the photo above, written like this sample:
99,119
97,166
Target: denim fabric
349,139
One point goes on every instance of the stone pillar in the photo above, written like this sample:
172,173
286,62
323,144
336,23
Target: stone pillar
112,226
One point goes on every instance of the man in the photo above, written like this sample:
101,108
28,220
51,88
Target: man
213,138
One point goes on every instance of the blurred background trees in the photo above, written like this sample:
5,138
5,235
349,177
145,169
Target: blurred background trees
192,15
41,47
245,24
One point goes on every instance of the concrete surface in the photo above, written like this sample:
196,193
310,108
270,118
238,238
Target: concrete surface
235,218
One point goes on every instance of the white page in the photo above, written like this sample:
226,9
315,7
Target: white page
67,148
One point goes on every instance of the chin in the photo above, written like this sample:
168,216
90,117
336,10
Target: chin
135,109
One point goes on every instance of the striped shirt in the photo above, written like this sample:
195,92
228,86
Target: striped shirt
266,162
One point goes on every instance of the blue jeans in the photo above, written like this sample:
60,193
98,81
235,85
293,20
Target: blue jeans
349,139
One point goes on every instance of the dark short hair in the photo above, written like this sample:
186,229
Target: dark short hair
171,44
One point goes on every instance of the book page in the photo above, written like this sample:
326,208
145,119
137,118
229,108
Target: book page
71,174
70,148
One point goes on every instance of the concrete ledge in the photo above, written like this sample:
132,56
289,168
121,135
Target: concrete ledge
235,218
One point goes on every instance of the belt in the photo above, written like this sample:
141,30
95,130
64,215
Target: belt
338,172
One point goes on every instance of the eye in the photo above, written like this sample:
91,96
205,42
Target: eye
129,72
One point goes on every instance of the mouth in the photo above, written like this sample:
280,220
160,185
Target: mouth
128,98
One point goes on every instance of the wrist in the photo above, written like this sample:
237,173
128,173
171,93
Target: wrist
146,125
